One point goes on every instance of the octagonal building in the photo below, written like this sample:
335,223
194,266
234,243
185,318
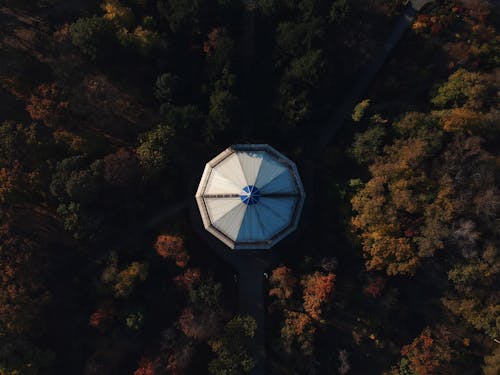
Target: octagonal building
250,196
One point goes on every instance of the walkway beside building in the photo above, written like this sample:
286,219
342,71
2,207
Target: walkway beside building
251,265
355,95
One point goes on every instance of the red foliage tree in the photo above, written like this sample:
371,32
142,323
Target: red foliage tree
121,168
430,352
100,317
199,326
47,105
190,277
211,43
148,366
172,247
374,287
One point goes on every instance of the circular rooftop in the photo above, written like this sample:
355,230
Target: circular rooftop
250,196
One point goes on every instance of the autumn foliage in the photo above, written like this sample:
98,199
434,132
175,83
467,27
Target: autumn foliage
282,283
430,352
188,278
47,105
147,366
374,287
211,43
172,247
318,289
100,317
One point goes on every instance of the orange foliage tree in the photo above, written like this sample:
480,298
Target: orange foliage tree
187,279
282,283
47,105
430,353
318,289
172,247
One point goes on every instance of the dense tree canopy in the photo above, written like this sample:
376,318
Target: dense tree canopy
109,110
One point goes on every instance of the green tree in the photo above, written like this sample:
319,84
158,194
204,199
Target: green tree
135,320
463,88
368,145
155,149
184,120
360,110
221,113
300,79
232,348
166,86
181,15
339,11
92,35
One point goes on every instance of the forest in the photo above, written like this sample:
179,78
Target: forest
110,108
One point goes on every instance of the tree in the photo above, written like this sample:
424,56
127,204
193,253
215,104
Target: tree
92,35
75,180
135,320
184,119
302,75
166,86
76,185
154,149
23,154
181,16
340,11
48,104
221,113
172,247
462,120
127,279
429,353
481,313
492,362
100,317
360,110
282,283
123,282
232,348
148,366
293,38
189,278
206,294
345,367
199,325
210,44
318,289
23,295
388,204
374,287
298,327
463,89
140,39
114,11
121,168
180,356
368,145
